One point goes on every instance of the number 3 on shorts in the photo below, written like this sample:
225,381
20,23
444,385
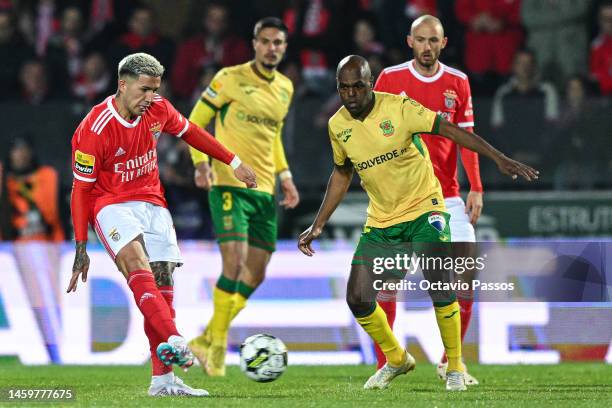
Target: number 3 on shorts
227,201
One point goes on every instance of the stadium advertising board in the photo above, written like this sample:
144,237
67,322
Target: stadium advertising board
303,302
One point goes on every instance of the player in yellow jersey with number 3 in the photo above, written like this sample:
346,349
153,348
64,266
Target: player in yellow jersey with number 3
250,102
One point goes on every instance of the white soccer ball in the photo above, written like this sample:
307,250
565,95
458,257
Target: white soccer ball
263,358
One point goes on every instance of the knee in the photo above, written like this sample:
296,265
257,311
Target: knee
254,278
357,304
132,257
234,265
130,262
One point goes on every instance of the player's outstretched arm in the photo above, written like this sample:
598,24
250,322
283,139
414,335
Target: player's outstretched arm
338,184
203,141
79,267
80,207
245,174
476,143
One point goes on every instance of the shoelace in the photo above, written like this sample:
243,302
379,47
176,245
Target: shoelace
385,372
184,355
455,379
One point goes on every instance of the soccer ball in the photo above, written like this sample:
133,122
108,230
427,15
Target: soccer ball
263,358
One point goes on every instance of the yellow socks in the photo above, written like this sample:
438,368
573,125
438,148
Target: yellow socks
239,303
449,323
204,337
229,298
243,292
220,321
376,325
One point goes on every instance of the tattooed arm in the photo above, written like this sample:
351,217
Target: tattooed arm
80,266
80,208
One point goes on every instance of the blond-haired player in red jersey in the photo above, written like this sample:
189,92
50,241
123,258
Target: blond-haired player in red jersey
116,188
447,91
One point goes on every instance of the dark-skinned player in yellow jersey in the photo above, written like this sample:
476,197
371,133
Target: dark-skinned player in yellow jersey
406,203
445,90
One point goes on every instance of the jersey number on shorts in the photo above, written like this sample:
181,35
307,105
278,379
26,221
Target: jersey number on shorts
227,200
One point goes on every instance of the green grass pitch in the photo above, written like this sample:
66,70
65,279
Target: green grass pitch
564,385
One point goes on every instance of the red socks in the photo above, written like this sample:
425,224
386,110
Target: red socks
168,294
151,303
389,307
465,307
157,367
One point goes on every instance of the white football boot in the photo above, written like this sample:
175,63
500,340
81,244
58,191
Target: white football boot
455,381
469,379
169,385
387,373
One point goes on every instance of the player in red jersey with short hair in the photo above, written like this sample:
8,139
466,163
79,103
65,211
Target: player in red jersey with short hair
447,91
117,189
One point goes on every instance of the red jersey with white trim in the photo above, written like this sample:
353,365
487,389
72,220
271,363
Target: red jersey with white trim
120,157
447,93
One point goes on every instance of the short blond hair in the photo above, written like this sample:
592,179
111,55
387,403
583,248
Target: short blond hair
138,64
427,18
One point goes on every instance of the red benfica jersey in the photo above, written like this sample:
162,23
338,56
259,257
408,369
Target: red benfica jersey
448,93
119,156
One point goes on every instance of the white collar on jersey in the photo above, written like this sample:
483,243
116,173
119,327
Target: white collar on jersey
423,78
124,122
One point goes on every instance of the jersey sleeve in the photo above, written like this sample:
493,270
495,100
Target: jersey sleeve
419,118
87,154
201,115
382,83
175,123
217,93
280,160
338,151
87,157
465,110
465,120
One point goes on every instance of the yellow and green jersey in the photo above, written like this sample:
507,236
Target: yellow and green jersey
390,157
250,109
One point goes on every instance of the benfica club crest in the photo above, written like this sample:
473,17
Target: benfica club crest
387,128
155,130
450,98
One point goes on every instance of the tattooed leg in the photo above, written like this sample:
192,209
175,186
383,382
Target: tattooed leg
162,271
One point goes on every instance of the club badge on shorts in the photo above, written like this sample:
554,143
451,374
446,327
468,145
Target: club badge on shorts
228,222
114,235
437,221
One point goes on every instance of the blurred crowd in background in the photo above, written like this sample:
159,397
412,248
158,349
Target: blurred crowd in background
540,71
